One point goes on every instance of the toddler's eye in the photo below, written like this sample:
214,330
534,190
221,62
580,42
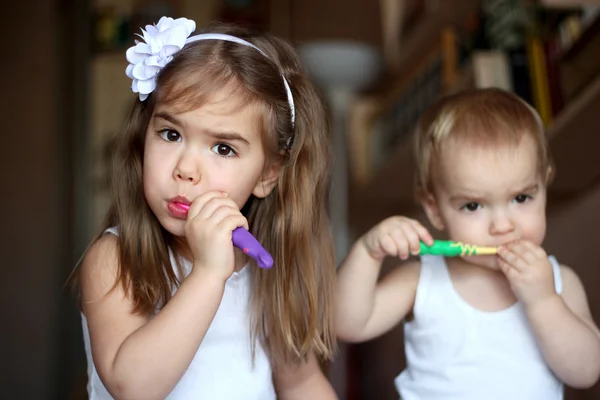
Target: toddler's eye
472,206
522,198
170,135
223,150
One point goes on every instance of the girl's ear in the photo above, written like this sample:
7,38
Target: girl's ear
432,210
267,181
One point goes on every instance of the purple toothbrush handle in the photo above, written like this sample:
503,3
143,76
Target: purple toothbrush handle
243,240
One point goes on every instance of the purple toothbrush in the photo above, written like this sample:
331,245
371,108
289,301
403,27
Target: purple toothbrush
243,240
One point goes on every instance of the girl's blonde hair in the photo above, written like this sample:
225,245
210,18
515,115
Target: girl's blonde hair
291,303
480,117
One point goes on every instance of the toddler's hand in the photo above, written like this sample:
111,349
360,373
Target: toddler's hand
211,220
396,236
528,270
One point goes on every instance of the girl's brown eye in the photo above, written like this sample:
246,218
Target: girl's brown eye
170,135
223,150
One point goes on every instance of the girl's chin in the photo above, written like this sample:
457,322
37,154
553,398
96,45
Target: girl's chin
175,227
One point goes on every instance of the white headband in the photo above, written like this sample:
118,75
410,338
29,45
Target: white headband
163,40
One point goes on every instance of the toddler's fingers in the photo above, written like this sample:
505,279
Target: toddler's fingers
412,238
507,269
388,246
400,243
422,232
522,252
512,258
536,251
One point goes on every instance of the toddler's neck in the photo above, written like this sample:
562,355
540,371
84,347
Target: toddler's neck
484,288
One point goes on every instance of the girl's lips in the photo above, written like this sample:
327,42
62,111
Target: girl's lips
178,210
186,207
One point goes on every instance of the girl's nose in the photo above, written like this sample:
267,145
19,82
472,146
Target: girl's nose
187,169
186,175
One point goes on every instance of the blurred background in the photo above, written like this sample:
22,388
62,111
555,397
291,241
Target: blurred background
379,64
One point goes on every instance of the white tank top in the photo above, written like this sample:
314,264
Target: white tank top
222,367
455,351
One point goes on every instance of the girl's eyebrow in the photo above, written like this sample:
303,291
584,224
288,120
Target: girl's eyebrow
225,136
228,136
169,117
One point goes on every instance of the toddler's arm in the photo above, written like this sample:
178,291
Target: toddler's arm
364,308
567,334
137,356
302,381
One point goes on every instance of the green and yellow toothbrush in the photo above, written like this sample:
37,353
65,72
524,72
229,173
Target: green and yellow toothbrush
454,249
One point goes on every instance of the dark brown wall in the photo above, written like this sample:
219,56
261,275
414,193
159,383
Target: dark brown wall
35,200
305,20
574,238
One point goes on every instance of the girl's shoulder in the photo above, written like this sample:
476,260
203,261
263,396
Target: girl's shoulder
99,268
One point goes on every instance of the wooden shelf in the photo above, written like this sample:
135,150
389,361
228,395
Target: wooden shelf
420,42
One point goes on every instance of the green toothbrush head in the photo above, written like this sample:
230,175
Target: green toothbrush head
454,249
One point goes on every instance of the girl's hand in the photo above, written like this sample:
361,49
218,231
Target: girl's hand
211,220
528,270
396,236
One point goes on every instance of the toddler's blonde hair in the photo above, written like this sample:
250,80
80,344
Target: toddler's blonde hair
480,117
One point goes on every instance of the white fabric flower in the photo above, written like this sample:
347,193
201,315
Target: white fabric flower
147,57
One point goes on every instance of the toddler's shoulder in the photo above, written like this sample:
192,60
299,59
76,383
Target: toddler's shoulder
405,274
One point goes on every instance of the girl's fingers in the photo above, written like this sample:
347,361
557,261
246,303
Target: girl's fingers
211,208
224,212
233,221
214,204
199,203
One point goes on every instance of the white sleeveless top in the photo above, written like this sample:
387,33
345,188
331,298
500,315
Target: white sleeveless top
457,352
222,367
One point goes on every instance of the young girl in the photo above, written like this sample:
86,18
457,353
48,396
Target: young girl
225,121
513,326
